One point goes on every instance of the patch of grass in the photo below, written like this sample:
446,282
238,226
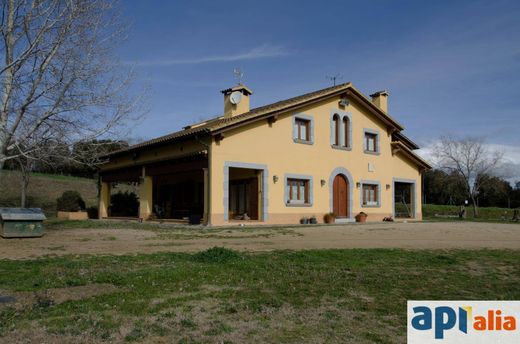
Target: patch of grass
216,255
221,295
450,213
44,189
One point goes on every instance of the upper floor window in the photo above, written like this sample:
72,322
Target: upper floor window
303,127
341,131
336,129
346,131
371,141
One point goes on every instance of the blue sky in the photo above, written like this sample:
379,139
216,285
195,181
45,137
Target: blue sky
450,66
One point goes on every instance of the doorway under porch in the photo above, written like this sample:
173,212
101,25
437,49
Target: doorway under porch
404,199
245,192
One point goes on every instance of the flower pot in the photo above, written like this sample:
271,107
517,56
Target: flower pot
361,217
329,218
304,220
313,221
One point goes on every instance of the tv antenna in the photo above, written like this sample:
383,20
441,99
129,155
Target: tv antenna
238,75
333,78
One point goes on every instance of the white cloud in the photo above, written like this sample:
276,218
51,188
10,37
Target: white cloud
509,169
262,51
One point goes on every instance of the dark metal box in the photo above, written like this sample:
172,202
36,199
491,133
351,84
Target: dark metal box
21,222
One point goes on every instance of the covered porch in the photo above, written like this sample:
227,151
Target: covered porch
172,190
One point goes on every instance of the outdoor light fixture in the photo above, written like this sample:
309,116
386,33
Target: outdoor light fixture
322,182
275,178
388,186
358,185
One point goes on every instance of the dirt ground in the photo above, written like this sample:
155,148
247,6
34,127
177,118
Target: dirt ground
427,235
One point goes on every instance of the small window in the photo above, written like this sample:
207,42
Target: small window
370,195
302,129
336,126
297,191
346,130
371,142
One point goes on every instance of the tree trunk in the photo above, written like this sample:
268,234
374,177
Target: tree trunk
475,206
23,189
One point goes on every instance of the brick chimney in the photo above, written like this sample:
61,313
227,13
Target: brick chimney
236,100
380,99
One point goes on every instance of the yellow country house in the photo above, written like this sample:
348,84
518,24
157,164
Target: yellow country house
329,151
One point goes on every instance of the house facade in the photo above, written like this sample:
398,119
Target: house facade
330,151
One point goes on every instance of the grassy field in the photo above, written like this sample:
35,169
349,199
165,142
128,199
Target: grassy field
44,189
451,212
221,296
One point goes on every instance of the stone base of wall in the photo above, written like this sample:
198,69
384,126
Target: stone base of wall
293,219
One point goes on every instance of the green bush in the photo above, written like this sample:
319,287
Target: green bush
216,255
124,204
70,201
92,212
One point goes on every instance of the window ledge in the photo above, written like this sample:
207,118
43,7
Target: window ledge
371,153
301,205
341,147
305,142
371,206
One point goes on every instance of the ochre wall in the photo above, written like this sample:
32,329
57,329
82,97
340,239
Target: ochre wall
260,143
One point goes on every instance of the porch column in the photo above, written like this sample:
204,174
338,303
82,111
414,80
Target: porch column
205,218
145,196
104,199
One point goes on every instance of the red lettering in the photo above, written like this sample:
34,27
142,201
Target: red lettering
480,323
509,323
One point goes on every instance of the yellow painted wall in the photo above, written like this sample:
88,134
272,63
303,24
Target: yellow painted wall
260,143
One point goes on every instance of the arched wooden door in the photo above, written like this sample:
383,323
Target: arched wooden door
340,196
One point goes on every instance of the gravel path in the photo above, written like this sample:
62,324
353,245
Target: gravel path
426,235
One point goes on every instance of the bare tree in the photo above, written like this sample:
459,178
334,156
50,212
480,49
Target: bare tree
59,78
470,158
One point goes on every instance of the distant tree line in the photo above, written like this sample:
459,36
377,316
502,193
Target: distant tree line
441,187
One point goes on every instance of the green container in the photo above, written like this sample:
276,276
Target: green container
21,222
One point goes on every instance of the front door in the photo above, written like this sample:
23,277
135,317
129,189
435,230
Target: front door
340,196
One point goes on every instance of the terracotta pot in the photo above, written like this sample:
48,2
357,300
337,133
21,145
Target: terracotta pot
361,217
329,219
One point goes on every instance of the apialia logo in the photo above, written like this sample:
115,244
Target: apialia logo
463,321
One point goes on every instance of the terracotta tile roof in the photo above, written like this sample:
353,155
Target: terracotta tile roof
220,124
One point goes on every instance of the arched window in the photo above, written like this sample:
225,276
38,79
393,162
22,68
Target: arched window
336,129
346,131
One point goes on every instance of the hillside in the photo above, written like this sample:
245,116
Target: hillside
44,189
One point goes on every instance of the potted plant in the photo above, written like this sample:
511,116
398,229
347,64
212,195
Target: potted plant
304,220
329,218
313,220
71,206
361,217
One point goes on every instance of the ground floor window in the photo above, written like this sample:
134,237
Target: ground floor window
370,195
297,191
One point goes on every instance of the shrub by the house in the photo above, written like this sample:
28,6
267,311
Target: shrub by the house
70,201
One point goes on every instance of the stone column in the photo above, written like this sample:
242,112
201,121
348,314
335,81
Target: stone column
104,199
145,196
205,219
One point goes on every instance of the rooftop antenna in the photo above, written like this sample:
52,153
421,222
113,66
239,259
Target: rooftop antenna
238,75
333,78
